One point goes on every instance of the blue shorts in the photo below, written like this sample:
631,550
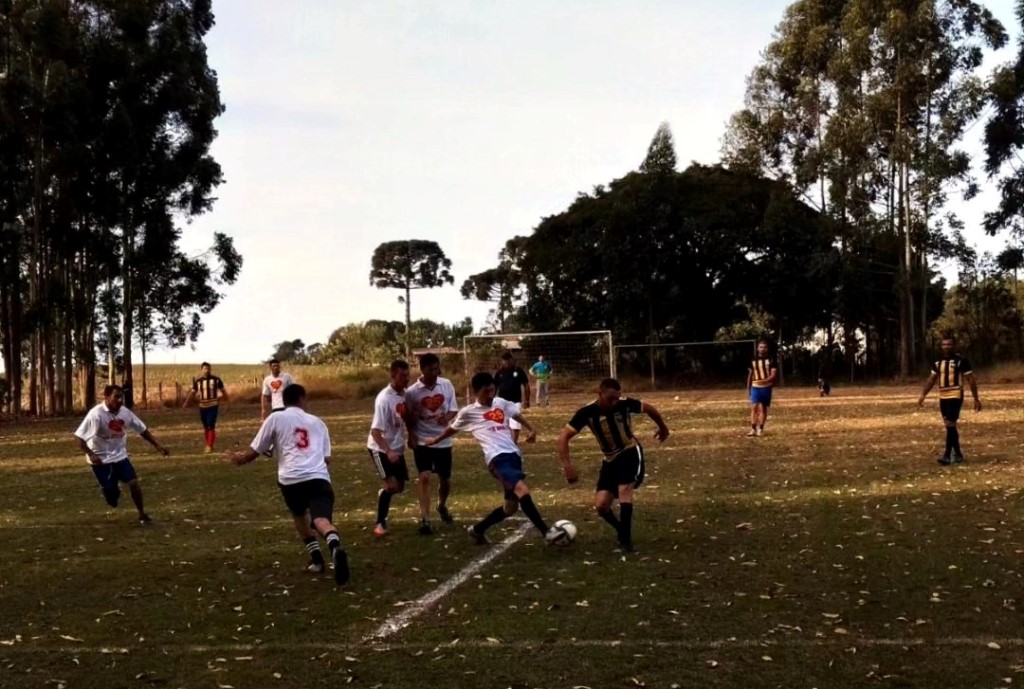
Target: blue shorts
508,469
209,417
108,475
761,396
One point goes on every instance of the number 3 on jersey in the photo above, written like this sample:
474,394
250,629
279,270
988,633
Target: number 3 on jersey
301,438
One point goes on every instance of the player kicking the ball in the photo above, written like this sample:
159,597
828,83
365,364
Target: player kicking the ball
622,472
302,446
488,420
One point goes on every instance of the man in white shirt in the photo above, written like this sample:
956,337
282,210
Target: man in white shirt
302,446
431,404
488,420
386,442
274,386
102,436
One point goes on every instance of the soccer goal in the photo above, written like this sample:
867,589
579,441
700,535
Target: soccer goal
578,359
667,366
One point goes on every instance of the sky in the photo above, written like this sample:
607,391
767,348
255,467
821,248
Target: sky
465,122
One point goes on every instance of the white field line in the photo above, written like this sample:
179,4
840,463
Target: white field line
372,643
192,522
396,623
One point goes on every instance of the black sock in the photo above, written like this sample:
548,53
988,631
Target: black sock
531,511
609,516
626,530
761,427
333,540
955,433
950,431
383,507
313,547
495,517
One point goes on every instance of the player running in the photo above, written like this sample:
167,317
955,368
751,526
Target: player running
431,404
541,370
488,420
761,378
102,436
386,442
209,389
622,472
273,389
513,385
949,372
302,447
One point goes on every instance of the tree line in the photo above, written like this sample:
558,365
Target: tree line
107,114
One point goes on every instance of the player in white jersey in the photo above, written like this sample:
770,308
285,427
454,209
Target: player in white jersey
102,436
302,446
274,386
386,442
488,420
431,404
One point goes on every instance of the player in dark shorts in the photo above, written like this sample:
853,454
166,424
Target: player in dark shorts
302,446
513,385
209,390
386,442
622,472
950,372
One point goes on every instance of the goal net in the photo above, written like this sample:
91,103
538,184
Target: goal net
579,360
684,364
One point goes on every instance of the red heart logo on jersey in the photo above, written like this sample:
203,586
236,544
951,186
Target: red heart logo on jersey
495,415
433,403
116,425
400,409
275,384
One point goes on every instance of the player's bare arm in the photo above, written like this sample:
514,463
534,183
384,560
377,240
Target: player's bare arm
526,395
662,433
94,458
410,429
973,382
563,451
445,434
928,388
148,437
750,379
532,437
240,457
188,398
378,437
265,401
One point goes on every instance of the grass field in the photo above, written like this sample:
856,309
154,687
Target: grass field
833,552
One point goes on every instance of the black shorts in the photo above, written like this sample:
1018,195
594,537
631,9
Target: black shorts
437,460
626,469
314,496
951,409
387,469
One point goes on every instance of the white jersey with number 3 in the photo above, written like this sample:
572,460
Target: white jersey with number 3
489,425
301,445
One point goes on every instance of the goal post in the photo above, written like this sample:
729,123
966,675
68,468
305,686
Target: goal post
578,359
685,364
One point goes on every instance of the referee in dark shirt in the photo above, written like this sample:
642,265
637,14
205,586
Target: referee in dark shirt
513,386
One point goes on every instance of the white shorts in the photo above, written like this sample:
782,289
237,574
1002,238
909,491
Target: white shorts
512,423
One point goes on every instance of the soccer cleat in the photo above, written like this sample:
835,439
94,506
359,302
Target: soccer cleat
751,433
626,546
446,516
945,461
478,538
314,567
425,529
208,450
555,536
957,458
339,558
145,519
380,531
760,432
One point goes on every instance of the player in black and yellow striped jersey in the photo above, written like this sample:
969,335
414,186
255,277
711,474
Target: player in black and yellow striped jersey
609,419
761,377
209,390
950,372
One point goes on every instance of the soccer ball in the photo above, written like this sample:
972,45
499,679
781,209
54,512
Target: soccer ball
568,528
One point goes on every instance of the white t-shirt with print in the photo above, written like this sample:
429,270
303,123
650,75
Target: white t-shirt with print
106,433
389,419
490,426
301,445
430,406
274,389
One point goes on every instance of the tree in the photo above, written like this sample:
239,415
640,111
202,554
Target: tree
408,265
1004,140
290,351
661,154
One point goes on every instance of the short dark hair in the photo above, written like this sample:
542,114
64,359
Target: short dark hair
610,384
399,365
206,364
481,380
948,336
111,389
506,355
274,360
429,359
293,394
